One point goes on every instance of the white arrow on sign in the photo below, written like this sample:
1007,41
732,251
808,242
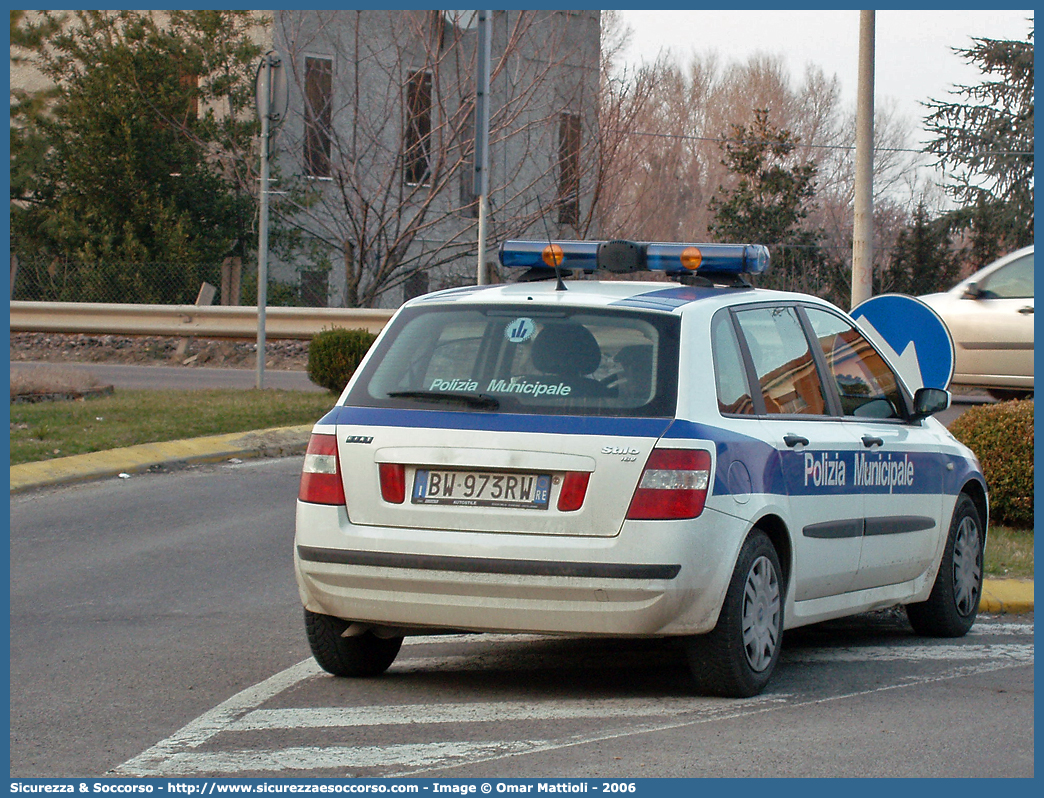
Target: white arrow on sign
907,364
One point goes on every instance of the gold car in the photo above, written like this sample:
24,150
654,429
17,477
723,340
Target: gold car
990,318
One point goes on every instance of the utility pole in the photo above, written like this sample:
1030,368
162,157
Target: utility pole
482,137
863,227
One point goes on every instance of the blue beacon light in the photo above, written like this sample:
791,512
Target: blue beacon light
628,256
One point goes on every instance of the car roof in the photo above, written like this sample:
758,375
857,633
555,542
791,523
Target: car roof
663,297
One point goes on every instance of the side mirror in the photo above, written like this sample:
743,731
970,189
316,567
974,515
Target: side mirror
928,402
972,291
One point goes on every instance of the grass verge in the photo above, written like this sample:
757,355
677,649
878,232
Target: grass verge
1009,552
46,430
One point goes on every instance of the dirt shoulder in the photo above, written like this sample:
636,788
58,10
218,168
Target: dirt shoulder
156,351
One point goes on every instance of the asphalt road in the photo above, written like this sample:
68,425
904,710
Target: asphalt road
156,631
130,377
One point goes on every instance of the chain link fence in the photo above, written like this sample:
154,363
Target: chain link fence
816,269
232,282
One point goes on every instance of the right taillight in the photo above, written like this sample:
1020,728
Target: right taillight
673,485
393,482
321,474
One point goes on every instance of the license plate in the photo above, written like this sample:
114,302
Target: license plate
482,489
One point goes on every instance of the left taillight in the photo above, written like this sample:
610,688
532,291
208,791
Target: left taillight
321,474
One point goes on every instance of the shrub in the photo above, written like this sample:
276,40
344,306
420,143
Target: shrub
333,356
1001,435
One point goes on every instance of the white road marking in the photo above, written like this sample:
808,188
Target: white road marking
1001,629
420,755
490,712
1019,652
216,720
180,754
648,728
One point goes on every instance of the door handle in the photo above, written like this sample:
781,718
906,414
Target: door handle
1026,310
792,440
870,440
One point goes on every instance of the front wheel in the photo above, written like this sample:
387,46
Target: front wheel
360,655
737,658
954,601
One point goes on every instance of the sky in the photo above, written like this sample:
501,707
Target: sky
914,60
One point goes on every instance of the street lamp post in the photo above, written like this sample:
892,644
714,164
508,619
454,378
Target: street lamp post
863,223
482,138
271,99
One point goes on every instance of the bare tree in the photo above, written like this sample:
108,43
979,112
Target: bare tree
676,135
624,101
384,152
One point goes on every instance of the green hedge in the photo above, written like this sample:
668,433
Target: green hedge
1001,435
333,356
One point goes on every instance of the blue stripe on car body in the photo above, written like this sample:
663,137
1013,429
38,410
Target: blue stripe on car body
770,470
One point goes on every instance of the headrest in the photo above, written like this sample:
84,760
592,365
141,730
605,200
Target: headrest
566,349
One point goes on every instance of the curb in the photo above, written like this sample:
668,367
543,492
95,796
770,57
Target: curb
276,442
1009,596
1006,596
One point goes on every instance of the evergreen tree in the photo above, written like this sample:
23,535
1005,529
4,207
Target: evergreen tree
768,204
984,138
127,175
922,261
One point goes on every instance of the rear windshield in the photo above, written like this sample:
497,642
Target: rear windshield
568,361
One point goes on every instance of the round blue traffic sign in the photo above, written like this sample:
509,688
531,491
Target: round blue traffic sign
912,336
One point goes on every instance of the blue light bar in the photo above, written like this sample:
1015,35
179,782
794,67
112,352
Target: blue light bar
542,254
707,258
624,257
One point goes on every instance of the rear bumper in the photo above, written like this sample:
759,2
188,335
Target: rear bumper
654,578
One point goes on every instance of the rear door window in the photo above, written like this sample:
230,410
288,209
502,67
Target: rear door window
525,360
730,374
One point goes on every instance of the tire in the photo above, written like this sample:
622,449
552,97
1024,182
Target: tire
738,657
358,656
954,601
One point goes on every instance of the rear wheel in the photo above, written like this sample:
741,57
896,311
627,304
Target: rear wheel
360,655
954,601
737,658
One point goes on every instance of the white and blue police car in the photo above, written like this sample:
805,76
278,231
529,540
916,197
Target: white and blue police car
698,459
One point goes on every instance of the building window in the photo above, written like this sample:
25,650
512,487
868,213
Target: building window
417,137
569,169
318,116
314,288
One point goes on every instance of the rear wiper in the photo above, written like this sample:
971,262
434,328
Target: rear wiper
479,400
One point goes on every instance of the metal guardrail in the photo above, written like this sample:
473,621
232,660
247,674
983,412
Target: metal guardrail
188,320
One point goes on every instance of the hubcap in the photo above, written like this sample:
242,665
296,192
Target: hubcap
761,614
967,566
